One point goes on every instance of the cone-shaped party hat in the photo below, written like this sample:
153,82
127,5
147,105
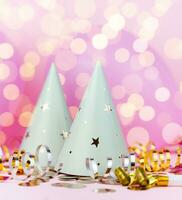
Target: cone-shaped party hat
95,132
51,120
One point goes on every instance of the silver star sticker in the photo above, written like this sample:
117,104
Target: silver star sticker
108,108
65,134
45,106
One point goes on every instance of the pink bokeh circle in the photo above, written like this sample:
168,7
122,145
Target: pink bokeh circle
172,133
132,83
65,60
137,135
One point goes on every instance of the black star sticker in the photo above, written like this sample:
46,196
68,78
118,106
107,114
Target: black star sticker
95,142
70,152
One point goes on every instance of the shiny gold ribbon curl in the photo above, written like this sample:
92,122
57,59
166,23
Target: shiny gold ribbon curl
140,179
24,163
153,160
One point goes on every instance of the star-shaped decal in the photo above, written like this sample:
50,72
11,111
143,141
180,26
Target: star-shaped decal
108,108
27,134
95,142
44,106
65,134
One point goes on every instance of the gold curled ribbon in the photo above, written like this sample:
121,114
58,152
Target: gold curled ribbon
149,166
140,179
4,158
24,163
153,160
122,176
28,164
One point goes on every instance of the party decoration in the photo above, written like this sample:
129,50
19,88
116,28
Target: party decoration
133,173
95,132
140,180
140,46
50,121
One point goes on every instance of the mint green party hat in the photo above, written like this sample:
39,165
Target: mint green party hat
51,120
95,132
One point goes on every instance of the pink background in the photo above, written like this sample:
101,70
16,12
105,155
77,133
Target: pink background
139,44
